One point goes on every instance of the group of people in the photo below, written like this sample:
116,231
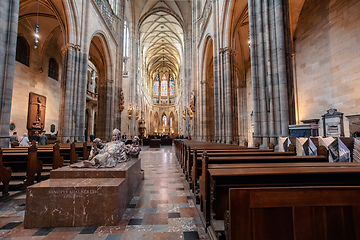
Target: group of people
25,141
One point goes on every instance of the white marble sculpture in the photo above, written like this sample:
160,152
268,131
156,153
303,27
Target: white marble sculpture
133,150
106,155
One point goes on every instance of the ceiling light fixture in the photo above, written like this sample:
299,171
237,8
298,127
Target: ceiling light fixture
36,41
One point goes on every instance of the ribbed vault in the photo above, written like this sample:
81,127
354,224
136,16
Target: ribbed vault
161,32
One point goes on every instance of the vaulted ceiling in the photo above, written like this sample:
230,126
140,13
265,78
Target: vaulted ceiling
161,28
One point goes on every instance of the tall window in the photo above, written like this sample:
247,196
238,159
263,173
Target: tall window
164,86
126,39
126,47
164,119
171,124
22,50
172,86
53,69
156,86
164,90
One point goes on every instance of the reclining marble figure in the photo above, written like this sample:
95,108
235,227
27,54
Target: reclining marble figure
107,155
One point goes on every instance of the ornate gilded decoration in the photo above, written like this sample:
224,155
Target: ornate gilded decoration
122,101
192,105
130,112
184,114
190,112
137,113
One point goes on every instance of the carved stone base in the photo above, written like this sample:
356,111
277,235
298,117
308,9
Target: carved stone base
76,202
130,170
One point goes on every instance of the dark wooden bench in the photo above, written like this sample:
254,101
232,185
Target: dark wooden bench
166,141
155,143
83,150
24,161
187,159
216,203
196,168
232,163
293,213
146,141
67,151
5,175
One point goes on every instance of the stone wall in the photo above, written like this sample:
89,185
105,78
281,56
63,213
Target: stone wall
327,49
27,80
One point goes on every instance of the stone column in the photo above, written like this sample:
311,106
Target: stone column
229,103
105,114
269,70
68,90
9,16
218,86
81,97
187,76
120,62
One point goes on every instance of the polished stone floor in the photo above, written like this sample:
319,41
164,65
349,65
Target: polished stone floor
161,209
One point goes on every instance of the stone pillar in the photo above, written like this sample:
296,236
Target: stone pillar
73,94
105,122
81,97
269,70
187,77
218,86
202,110
68,86
229,103
9,16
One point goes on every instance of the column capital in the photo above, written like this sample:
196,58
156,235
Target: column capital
69,46
228,50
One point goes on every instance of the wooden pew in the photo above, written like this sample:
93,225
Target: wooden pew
24,161
216,203
67,151
155,143
293,213
5,175
146,141
166,141
237,162
187,160
83,150
196,168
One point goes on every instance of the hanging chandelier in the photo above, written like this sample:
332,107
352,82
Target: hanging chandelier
36,41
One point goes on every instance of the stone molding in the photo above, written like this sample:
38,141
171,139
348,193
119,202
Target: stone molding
69,46
228,50
204,19
108,15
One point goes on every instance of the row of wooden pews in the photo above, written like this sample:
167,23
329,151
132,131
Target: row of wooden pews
250,193
31,160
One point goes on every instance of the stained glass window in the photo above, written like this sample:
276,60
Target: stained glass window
172,100
164,119
164,101
171,127
156,86
155,100
172,86
164,86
